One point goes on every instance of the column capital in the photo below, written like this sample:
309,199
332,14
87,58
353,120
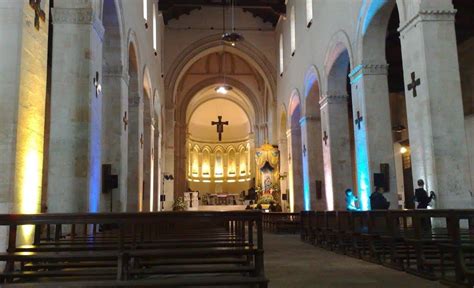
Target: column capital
72,15
332,98
428,16
368,69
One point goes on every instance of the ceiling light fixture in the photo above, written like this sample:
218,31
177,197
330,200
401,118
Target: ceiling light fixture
232,37
223,89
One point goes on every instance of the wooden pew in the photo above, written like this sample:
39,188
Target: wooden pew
279,222
137,246
401,239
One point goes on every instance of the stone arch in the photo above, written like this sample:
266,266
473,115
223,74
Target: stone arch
338,55
312,92
371,29
211,44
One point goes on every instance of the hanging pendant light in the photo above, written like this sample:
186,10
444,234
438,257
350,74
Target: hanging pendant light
232,37
224,88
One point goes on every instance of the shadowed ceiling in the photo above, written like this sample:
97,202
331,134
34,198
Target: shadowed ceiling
267,10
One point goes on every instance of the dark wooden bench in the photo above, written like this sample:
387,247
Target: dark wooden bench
189,246
401,239
279,222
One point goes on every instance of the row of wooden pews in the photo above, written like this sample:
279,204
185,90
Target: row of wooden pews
434,244
281,223
166,249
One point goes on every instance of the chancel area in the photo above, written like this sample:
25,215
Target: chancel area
179,143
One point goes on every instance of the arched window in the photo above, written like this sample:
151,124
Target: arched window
309,12
231,163
154,28
206,163
281,53
293,30
145,10
218,166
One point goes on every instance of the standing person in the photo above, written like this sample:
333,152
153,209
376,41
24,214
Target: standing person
351,201
378,201
421,195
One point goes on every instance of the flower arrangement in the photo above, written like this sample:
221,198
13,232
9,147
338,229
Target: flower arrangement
265,199
179,204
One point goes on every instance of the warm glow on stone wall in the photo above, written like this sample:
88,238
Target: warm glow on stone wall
30,122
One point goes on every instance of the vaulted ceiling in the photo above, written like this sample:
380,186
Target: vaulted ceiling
268,10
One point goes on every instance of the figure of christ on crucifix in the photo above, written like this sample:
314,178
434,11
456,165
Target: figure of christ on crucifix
220,126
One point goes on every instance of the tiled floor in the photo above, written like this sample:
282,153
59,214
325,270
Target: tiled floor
292,263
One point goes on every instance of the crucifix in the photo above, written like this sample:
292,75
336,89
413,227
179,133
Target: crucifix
325,138
220,126
141,141
304,150
414,82
359,120
39,14
125,121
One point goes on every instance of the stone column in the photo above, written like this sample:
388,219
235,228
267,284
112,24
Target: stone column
283,147
135,158
113,129
372,129
312,162
180,160
169,168
74,170
295,169
336,150
435,112
23,72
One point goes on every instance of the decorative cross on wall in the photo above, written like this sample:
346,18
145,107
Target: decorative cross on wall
141,141
414,83
125,121
325,138
358,120
98,87
220,126
304,150
39,14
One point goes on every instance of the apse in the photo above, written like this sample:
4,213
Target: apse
219,144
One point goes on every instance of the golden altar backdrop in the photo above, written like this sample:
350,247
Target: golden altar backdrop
267,160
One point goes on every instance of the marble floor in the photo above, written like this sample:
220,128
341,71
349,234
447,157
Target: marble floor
290,263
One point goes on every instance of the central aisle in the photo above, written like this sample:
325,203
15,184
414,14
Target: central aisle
292,263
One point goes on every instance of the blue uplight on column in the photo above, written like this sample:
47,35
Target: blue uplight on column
306,182
363,174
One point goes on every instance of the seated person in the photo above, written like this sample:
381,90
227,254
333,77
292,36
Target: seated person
378,201
278,208
351,200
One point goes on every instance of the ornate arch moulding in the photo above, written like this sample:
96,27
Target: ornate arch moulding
78,16
367,69
427,16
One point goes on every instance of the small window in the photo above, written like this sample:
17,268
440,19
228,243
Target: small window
281,54
309,13
154,29
293,31
145,12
